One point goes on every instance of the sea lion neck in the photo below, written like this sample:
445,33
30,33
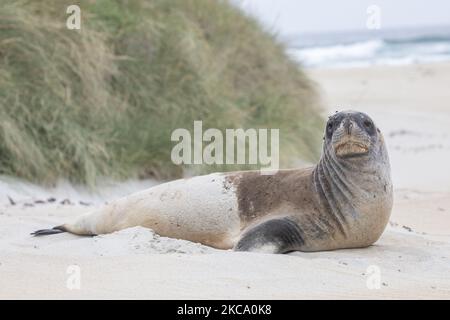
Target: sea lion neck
351,176
346,188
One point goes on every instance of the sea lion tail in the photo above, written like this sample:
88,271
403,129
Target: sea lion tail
46,232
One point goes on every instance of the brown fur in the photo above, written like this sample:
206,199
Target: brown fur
259,194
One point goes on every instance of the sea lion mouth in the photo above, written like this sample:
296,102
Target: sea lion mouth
350,149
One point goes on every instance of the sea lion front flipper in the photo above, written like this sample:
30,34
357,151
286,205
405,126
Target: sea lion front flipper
278,235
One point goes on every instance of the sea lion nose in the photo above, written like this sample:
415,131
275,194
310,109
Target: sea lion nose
348,125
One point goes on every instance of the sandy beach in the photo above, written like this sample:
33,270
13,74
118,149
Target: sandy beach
410,104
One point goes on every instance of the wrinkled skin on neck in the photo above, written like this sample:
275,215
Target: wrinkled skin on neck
352,178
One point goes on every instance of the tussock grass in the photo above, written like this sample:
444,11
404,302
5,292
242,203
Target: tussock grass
104,100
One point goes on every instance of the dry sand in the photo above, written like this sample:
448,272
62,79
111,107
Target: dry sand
411,104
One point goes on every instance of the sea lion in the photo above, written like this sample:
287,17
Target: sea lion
342,202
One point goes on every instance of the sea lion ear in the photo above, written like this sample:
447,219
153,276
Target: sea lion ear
378,130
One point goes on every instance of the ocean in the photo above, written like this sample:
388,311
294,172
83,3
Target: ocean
370,47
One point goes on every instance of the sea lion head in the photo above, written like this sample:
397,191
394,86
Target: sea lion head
354,174
352,136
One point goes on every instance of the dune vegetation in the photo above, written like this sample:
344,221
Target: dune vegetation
103,100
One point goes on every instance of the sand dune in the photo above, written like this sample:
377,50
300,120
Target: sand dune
410,104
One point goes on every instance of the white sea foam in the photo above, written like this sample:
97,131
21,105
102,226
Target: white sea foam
365,50
317,56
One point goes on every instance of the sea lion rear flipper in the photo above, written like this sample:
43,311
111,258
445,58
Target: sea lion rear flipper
46,232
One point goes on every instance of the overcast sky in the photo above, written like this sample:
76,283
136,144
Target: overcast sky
296,16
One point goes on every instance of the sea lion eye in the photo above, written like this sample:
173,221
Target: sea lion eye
367,124
330,126
329,130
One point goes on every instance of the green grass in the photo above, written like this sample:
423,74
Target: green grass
104,100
